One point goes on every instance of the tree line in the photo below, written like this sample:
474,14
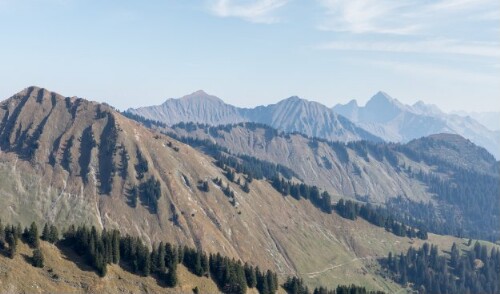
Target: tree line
294,285
321,200
473,271
249,165
100,249
10,236
379,217
468,193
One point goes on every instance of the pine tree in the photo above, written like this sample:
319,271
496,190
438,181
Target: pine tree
454,255
33,238
116,246
11,239
37,259
250,276
246,187
2,235
45,233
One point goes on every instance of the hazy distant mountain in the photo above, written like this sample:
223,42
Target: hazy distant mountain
291,115
198,107
391,120
491,120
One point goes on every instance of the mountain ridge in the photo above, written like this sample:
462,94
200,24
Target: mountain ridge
292,114
383,118
394,121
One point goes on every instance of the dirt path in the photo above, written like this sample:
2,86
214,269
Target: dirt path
332,267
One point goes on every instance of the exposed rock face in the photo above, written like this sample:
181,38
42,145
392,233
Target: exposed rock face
291,115
198,107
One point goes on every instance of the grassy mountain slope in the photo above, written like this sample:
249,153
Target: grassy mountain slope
68,160
445,180
65,272
342,173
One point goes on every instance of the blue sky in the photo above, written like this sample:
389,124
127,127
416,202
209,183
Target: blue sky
250,52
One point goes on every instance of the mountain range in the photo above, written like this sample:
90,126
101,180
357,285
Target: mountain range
489,119
68,160
393,121
383,118
291,115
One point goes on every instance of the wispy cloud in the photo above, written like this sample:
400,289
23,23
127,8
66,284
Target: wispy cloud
258,11
437,72
360,16
482,49
456,5
402,17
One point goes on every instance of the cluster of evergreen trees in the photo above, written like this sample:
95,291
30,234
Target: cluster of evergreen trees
467,193
146,122
232,177
97,249
10,236
474,271
226,189
148,192
107,148
321,200
233,277
294,285
378,216
108,247
203,185
142,165
254,168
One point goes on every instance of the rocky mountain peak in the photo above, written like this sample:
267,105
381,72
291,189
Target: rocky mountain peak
382,99
201,96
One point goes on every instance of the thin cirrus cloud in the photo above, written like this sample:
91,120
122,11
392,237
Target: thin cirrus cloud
257,11
403,17
436,72
360,16
482,49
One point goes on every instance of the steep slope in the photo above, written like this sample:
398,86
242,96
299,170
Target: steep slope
310,118
332,166
71,161
197,107
393,121
65,272
439,179
291,115
491,120
455,150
